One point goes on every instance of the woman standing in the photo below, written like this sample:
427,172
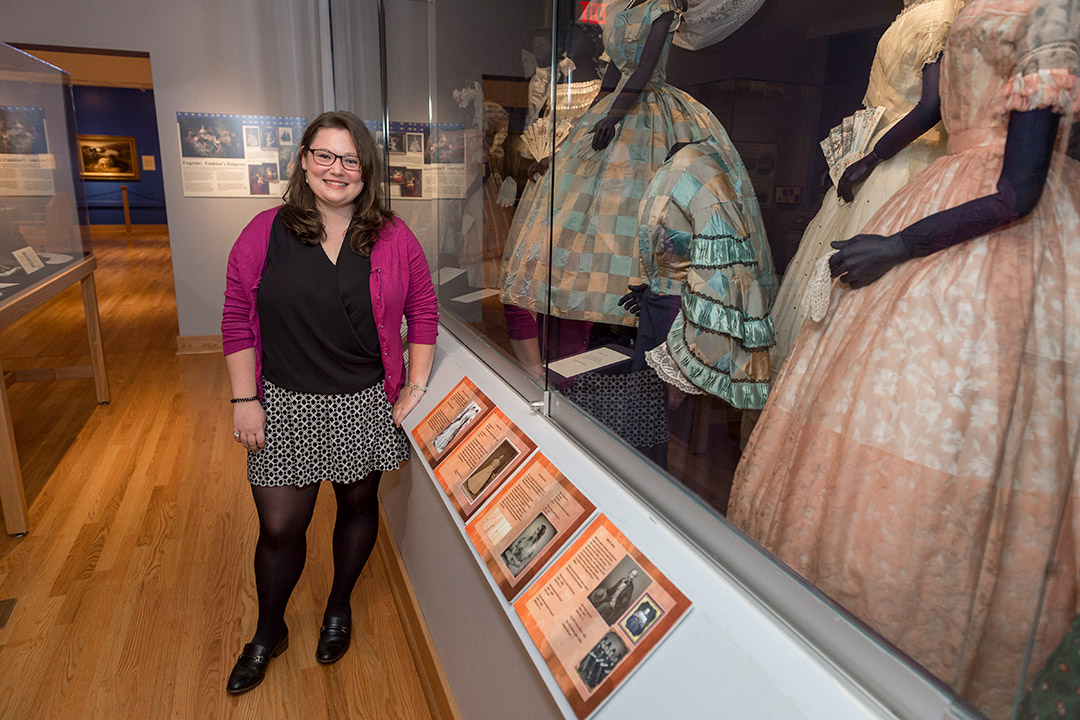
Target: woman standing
315,294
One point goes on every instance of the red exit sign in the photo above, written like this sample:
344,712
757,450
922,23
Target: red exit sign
593,11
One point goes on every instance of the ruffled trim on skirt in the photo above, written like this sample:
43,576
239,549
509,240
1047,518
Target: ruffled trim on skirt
750,332
742,394
723,251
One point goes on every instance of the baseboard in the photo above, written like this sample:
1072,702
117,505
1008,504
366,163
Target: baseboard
437,692
104,231
198,344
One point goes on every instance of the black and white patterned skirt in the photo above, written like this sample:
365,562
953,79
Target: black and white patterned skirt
341,438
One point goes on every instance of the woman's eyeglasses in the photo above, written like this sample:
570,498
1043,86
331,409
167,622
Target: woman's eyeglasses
327,158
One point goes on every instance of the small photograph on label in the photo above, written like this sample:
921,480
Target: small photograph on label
525,546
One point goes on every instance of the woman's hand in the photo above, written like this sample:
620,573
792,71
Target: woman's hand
865,258
407,399
603,132
249,420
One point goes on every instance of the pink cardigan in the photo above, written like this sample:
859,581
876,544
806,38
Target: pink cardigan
400,286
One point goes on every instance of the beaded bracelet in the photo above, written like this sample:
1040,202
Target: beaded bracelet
414,386
240,400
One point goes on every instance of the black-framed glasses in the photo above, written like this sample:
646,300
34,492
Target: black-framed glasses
327,158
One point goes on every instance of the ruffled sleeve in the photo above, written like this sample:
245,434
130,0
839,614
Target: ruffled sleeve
659,7
1045,73
930,42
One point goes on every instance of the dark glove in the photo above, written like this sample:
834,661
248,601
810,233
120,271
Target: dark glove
925,115
539,168
631,301
1029,146
855,173
603,132
864,258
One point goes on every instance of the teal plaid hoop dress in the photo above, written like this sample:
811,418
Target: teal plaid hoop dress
598,193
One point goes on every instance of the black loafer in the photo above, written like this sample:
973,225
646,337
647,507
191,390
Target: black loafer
334,637
250,668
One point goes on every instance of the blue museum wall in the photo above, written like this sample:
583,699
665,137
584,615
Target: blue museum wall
128,112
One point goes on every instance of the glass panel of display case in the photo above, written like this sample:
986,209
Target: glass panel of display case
43,223
905,446
357,60
486,127
904,438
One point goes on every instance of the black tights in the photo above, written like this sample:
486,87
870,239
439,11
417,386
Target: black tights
284,514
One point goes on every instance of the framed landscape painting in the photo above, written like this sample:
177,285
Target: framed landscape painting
108,157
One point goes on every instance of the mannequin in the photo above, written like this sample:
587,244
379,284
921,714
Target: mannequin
709,266
604,129
903,81
1029,147
916,458
577,84
600,174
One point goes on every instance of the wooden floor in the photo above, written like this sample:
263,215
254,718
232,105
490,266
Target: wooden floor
133,590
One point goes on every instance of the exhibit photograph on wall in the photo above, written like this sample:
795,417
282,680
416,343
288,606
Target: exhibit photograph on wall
26,166
425,161
597,612
482,462
526,524
451,420
108,157
224,155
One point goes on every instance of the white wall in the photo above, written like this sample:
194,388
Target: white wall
241,56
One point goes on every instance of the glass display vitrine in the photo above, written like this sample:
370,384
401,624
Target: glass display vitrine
44,232
631,209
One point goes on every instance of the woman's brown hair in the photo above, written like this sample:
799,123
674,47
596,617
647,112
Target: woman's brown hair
301,215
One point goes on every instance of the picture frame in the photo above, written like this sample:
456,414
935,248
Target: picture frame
108,157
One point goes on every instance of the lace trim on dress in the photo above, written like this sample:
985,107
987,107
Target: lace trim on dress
707,22
660,360
1054,88
815,300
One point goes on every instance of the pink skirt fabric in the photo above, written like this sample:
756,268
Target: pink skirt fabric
917,459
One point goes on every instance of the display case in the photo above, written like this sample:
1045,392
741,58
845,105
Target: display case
44,231
630,209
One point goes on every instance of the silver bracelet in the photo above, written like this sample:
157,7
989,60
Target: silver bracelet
414,386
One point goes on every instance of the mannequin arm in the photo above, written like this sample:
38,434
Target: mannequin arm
925,115
604,130
609,83
1029,147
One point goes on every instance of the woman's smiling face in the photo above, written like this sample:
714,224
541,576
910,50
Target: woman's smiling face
334,186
